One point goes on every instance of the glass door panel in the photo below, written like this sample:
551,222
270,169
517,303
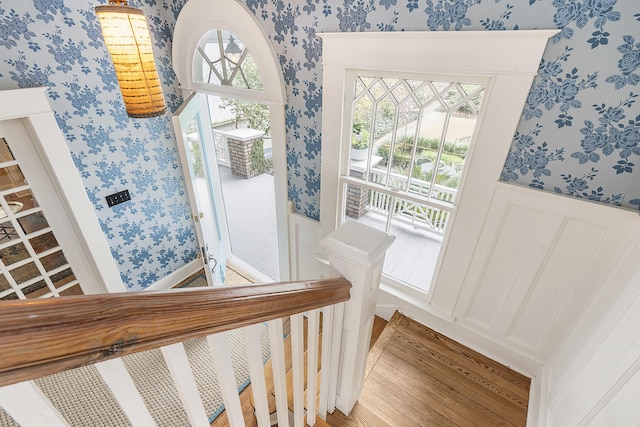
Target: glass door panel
198,157
31,261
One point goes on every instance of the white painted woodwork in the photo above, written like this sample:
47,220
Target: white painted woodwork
30,128
303,242
297,367
117,378
219,347
507,60
313,332
195,19
455,305
178,364
176,276
251,335
357,252
539,260
336,361
29,407
276,339
594,376
327,370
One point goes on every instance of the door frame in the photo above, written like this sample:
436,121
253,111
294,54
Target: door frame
195,19
194,107
46,162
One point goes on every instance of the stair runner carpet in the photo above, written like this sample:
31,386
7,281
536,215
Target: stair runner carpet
85,400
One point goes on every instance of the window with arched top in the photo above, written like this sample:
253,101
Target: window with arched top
220,49
222,58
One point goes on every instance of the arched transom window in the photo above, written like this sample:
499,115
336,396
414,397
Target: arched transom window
223,59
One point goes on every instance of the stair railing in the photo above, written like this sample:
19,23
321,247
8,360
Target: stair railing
48,336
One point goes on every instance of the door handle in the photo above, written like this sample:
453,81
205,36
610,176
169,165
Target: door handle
215,262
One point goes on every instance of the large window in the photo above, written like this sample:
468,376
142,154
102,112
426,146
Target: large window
409,140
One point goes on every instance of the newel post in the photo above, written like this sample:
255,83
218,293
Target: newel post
355,251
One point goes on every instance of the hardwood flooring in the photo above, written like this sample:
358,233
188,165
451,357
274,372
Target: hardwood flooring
417,377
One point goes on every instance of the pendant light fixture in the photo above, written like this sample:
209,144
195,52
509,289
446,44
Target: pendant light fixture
233,51
126,34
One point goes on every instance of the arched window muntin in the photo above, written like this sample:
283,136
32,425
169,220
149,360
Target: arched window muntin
187,62
222,58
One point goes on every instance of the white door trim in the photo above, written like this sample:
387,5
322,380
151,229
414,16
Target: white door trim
195,19
47,164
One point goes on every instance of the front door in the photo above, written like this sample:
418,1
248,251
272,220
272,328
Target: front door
200,165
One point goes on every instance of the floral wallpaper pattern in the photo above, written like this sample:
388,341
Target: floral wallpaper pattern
579,133
58,43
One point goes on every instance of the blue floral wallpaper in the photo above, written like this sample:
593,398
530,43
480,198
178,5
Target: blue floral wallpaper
580,129
58,43
579,133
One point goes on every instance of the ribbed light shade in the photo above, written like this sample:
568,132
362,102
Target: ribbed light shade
126,34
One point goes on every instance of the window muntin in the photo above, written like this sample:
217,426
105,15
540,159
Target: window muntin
222,59
404,127
32,264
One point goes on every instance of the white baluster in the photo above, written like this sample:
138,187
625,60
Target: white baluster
279,375
313,332
256,372
219,347
336,355
117,378
297,365
180,369
325,372
29,407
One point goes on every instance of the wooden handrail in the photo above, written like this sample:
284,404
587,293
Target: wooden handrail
46,336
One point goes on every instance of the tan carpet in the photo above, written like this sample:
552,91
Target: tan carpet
85,400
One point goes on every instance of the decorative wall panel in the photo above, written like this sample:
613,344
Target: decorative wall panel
594,377
539,262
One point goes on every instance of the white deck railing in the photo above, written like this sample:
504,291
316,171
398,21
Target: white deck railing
421,215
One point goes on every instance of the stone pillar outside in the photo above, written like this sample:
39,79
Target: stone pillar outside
242,143
358,197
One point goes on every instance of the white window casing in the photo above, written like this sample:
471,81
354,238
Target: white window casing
506,60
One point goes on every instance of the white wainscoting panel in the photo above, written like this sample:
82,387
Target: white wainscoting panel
539,260
304,238
594,377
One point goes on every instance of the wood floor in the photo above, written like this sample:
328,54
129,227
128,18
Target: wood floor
417,377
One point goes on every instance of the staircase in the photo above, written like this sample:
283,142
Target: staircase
417,377
246,396
412,376
48,336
